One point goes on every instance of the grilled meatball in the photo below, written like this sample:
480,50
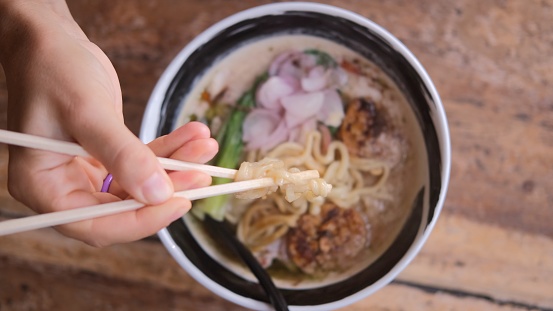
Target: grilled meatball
368,132
327,241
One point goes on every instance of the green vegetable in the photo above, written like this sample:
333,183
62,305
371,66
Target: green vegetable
323,58
333,130
230,150
216,109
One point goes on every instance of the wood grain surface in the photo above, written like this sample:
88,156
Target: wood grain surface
492,249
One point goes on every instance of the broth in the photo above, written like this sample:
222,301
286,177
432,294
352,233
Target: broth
234,73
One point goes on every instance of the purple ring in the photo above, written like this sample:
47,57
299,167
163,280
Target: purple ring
107,183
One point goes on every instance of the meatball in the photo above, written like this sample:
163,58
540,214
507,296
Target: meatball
328,241
368,132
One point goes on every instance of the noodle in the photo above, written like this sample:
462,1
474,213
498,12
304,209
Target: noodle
265,221
292,184
261,225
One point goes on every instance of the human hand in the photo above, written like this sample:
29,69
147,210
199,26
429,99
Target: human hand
64,87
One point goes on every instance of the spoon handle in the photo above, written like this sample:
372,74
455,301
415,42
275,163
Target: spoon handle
222,230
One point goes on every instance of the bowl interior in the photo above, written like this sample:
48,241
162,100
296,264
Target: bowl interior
367,41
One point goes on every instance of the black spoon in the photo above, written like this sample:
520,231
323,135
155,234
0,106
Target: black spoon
223,231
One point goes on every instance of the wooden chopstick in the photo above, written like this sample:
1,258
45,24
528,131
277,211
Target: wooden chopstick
94,211
64,147
100,210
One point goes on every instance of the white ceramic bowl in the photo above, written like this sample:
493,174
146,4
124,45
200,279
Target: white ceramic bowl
370,40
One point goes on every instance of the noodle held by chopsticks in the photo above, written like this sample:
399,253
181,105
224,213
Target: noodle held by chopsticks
290,181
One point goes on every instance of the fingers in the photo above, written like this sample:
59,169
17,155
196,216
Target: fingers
197,151
189,180
90,113
127,226
189,143
135,167
133,225
168,145
37,183
133,164
49,101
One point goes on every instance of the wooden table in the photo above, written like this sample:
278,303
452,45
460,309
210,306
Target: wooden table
492,249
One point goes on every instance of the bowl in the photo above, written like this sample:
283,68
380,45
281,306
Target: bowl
370,40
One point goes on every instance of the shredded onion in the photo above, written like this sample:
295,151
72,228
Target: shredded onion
300,107
272,90
297,94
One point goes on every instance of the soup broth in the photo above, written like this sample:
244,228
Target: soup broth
374,124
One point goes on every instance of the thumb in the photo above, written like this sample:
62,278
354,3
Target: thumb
132,163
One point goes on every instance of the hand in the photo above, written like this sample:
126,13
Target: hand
62,86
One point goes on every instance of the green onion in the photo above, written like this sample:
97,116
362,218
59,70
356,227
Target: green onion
230,150
323,58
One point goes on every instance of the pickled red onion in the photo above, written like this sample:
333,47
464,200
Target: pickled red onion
298,94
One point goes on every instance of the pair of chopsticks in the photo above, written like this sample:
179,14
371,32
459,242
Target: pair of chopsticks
36,142
100,210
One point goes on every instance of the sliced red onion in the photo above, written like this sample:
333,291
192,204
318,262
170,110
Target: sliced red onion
300,107
278,136
332,110
272,90
294,134
298,94
308,126
263,129
290,68
307,61
292,81
316,80
269,253
299,133
279,60
258,125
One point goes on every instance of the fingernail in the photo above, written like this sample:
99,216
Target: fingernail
157,189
